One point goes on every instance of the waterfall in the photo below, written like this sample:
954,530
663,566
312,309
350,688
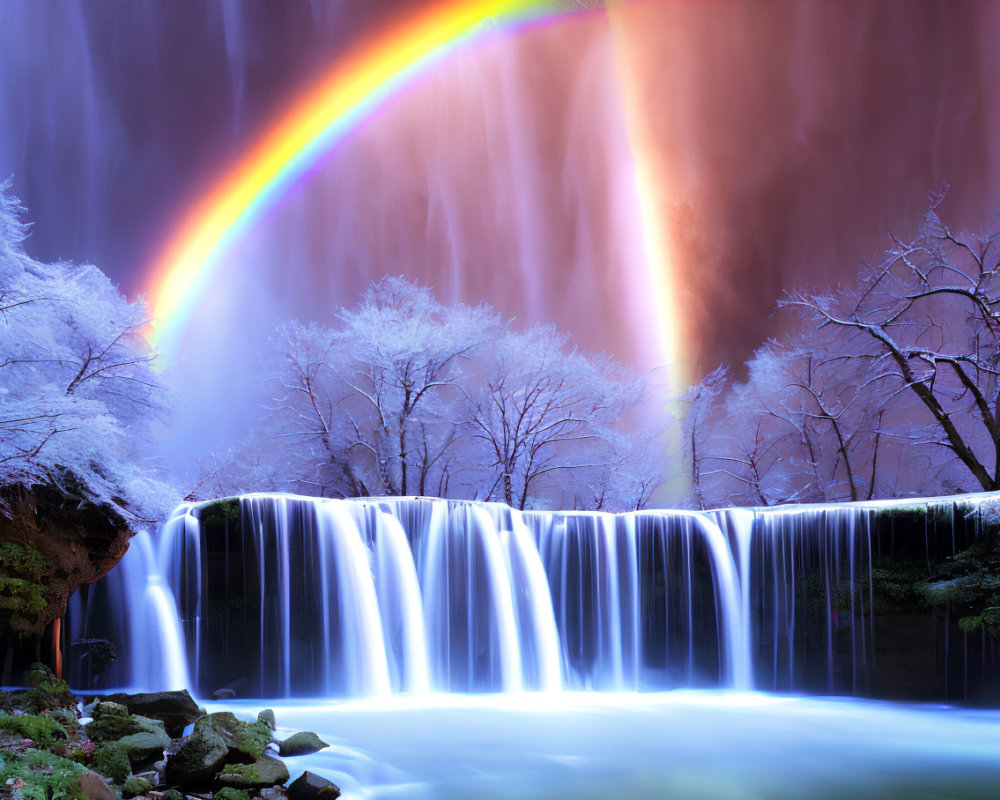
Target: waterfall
276,596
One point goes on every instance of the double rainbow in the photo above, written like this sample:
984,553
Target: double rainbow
349,93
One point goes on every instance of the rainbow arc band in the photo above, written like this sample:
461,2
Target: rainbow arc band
345,97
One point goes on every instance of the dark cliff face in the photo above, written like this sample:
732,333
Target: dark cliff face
50,545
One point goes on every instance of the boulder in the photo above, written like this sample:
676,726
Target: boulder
300,744
246,741
94,787
110,726
176,710
143,747
267,717
229,793
109,708
265,771
52,546
198,760
136,786
309,786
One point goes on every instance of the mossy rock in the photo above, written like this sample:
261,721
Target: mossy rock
108,708
136,786
309,786
220,512
265,771
144,747
42,730
246,741
267,717
45,776
229,793
300,744
198,760
111,728
112,762
175,709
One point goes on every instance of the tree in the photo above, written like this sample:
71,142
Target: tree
547,413
406,353
407,396
885,389
79,405
927,317
78,394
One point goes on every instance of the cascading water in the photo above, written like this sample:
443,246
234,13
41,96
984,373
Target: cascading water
283,596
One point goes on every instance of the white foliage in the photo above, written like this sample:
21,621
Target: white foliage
77,391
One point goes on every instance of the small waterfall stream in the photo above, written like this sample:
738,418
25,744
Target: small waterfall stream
283,596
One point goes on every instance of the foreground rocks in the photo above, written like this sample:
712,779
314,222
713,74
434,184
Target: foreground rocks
46,753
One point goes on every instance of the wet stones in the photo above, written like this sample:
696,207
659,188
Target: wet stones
309,786
300,744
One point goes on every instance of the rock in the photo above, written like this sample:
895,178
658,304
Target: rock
173,794
176,710
143,747
263,772
229,793
135,785
232,689
246,741
198,760
112,762
53,547
111,727
267,717
309,786
299,744
94,787
109,708
272,793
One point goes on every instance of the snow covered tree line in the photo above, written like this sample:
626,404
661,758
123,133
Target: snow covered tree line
888,388
403,395
79,399
885,389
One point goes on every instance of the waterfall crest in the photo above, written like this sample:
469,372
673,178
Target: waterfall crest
278,596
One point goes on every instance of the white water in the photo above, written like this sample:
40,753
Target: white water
408,596
672,746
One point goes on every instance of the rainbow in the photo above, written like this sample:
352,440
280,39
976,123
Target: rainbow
345,97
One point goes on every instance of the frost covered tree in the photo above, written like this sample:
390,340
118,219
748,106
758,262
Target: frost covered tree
78,394
927,318
79,404
888,388
406,353
404,395
547,414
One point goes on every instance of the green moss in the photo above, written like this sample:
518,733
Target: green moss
895,587
21,588
42,730
245,740
112,762
46,776
111,728
244,773
229,793
48,691
136,786
220,512
66,718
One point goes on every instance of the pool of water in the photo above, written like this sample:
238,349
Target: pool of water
685,745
